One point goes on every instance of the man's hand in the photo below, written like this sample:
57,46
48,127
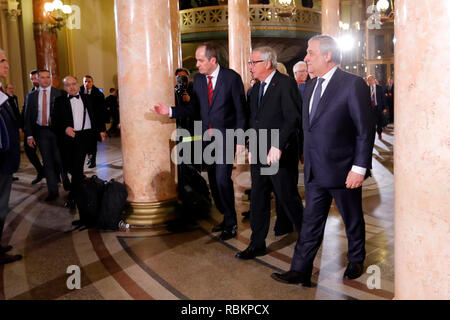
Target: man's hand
186,97
249,157
161,108
240,149
354,180
103,136
31,142
273,156
70,132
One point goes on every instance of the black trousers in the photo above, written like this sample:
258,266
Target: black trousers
33,157
78,148
284,184
46,141
222,190
318,202
5,191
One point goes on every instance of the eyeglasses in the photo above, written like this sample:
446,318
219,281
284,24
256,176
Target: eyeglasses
252,63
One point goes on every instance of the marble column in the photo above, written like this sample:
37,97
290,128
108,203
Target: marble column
176,34
331,13
422,149
145,76
46,42
14,56
239,38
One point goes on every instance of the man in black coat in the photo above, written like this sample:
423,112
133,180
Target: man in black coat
379,105
338,143
98,102
77,124
112,107
40,104
274,108
219,97
31,152
9,157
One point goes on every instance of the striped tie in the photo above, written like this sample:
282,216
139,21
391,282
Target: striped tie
210,90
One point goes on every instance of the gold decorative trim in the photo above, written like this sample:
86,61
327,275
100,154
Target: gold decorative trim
262,17
151,213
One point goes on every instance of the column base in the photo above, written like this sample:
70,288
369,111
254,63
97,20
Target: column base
151,214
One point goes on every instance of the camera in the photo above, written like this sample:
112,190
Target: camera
182,82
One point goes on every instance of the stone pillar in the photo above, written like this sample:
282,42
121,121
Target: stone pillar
239,38
46,42
331,14
145,76
176,34
14,54
422,149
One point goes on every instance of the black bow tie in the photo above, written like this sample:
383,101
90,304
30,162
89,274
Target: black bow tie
77,96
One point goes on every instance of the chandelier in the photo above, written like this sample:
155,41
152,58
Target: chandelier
383,11
57,12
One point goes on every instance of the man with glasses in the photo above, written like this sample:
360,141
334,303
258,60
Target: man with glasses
274,105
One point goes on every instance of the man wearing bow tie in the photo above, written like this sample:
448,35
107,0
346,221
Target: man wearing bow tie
77,126
40,104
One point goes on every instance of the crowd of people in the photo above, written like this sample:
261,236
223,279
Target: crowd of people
325,118
63,126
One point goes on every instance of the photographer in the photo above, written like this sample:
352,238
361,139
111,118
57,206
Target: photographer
183,92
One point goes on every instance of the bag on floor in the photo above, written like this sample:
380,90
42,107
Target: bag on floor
89,199
193,191
112,205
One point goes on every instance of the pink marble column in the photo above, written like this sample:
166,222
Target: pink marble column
422,149
331,13
145,75
176,34
239,38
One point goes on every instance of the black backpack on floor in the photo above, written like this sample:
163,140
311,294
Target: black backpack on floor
112,206
193,191
88,200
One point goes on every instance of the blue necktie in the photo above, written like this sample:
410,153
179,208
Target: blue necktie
316,99
261,91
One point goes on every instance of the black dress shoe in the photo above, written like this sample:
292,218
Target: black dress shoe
7,258
251,253
4,250
354,270
15,178
70,203
292,277
38,178
51,196
246,214
228,233
66,184
218,227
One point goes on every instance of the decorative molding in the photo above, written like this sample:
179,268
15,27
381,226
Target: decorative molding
262,17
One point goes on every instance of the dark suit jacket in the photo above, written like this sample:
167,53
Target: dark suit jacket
62,116
10,159
280,109
381,98
24,108
227,110
341,133
98,102
14,103
32,107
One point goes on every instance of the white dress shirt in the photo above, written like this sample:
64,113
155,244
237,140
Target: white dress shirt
77,114
41,95
3,98
327,76
373,91
267,81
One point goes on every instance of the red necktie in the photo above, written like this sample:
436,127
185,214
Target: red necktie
44,108
210,96
372,98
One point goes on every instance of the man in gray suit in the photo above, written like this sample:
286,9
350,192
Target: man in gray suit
37,130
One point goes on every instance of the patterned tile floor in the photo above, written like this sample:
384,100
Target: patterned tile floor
160,264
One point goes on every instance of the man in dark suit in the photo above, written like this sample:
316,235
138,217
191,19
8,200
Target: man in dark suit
77,125
14,104
219,96
378,103
389,94
9,158
31,152
338,133
98,102
40,104
112,106
274,106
